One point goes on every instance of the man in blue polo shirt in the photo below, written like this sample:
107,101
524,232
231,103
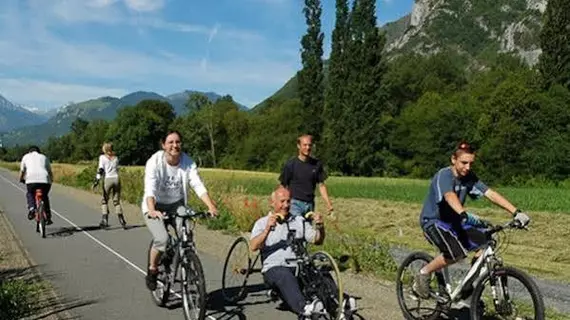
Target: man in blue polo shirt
443,215
301,175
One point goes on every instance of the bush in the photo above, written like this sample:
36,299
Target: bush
17,298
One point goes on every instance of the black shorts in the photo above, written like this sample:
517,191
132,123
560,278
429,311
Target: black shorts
454,242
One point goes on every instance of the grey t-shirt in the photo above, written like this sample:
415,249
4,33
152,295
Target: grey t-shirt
275,251
436,208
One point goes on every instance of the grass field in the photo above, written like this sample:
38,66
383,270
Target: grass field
374,214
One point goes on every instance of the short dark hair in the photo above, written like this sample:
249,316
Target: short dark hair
34,148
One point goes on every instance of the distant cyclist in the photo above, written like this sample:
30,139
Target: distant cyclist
444,220
108,169
168,173
35,172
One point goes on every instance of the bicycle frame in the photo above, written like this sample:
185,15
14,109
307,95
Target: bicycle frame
483,263
183,241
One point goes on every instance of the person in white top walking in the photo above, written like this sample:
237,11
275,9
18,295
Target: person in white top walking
109,169
35,172
167,175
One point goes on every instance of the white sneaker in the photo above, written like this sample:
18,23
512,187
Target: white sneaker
316,306
350,304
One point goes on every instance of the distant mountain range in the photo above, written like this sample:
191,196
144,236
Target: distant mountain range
23,126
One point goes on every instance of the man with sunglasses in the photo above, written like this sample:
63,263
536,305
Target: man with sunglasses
446,223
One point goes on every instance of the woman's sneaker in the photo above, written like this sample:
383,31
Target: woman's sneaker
151,277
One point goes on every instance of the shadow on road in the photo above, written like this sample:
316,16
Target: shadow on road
68,231
43,301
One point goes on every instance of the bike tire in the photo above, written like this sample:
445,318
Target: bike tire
519,275
331,288
162,293
192,271
400,288
42,219
238,263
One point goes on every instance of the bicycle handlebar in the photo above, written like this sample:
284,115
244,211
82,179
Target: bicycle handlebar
190,213
513,224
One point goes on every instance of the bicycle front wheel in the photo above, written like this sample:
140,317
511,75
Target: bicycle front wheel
193,287
507,293
330,290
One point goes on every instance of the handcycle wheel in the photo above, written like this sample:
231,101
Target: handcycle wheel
517,296
162,292
330,291
410,304
193,287
237,268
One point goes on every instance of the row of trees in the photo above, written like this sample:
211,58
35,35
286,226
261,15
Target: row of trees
370,116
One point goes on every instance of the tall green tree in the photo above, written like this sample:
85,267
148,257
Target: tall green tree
311,76
336,92
366,111
554,64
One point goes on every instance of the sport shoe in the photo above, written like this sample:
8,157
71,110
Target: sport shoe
316,306
151,276
122,220
350,304
31,214
49,222
421,285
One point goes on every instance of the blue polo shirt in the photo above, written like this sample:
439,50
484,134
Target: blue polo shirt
436,208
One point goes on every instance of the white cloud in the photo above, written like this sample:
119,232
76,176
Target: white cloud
52,93
145,5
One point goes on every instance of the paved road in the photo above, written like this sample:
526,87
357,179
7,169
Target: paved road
104,268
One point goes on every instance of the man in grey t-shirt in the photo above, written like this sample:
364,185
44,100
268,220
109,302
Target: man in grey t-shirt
270,237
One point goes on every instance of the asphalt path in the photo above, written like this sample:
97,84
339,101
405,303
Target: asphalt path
102,271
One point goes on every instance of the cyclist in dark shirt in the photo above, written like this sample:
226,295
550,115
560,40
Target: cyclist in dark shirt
301,175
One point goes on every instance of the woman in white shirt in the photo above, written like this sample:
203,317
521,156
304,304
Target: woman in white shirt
168,172
109,168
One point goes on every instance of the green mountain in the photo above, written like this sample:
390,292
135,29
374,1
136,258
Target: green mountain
100,108
479,29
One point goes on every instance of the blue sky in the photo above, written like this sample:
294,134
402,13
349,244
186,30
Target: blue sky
57,51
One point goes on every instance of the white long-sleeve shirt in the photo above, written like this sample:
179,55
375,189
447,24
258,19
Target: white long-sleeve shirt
37,168
110,166
168,184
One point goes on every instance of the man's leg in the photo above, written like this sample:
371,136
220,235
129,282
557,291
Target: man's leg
30,199
452,251
285,281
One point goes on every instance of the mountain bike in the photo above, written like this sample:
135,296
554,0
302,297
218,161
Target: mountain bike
180,266
487,272
318,275
41,216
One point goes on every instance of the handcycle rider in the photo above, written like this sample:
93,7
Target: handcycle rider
270,237
168,172
445,222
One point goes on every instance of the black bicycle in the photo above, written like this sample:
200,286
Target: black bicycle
180,271
497,291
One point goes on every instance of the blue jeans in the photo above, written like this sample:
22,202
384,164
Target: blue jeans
299,207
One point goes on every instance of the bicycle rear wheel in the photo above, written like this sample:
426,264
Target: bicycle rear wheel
237,268
161,294
329,290
412,306
42,219
511,294
193,287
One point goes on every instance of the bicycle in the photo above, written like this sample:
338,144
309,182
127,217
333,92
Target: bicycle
487,271
180,264
313,273
41,215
